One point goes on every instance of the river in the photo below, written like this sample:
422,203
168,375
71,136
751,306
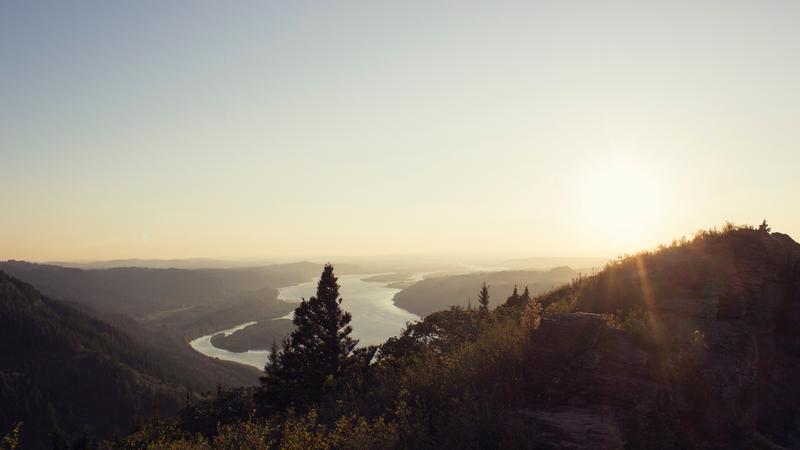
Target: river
375,316
255,358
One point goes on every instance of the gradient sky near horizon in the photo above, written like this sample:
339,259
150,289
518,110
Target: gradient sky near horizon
171,129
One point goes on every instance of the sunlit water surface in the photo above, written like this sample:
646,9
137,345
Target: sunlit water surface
375,316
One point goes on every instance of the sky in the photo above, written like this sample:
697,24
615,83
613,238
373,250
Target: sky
175,129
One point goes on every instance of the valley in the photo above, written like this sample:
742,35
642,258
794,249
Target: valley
375,319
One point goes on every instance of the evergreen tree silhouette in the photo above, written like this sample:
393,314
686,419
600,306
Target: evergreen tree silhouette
315,355
526,296
483,299
514,298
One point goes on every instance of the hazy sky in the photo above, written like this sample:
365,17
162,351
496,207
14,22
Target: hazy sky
166,129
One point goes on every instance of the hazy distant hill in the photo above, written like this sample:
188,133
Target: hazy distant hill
140,291
543,263
185,303
59,367
186,263
439,292
165,308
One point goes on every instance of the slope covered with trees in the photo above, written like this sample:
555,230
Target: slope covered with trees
166,308
143,293
62,370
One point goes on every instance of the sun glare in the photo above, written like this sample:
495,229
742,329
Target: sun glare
621,201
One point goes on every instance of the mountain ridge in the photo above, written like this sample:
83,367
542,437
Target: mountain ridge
55,362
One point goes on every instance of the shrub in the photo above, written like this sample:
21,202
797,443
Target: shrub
11,440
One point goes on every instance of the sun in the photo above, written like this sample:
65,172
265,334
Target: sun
621,201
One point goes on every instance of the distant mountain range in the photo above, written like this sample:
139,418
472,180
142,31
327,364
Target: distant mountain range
144,292
440,292
582,264
184,263
165,308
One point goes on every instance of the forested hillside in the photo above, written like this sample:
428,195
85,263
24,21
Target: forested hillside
62,370
142,293
165,308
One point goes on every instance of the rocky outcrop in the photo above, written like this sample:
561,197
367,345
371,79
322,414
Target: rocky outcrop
592,385
718,367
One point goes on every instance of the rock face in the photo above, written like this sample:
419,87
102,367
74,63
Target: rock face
592,385
720,368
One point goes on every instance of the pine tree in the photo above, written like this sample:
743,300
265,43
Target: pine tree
323,327
315,355
514,298
483,299
526,296
764,227
280,384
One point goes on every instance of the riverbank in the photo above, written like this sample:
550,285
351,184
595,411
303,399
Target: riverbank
375,319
